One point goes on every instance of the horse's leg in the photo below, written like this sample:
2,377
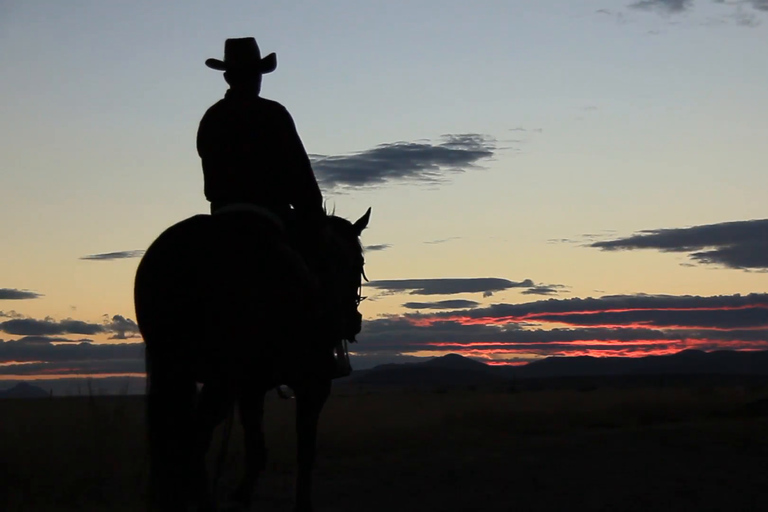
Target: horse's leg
310,399
250,401
170,405
214,402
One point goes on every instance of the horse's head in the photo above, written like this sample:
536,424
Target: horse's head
345,264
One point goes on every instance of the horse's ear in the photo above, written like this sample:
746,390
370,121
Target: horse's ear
362,223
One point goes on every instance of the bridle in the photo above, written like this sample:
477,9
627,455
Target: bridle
360,298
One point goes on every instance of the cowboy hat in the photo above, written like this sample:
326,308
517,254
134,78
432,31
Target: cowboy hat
243,54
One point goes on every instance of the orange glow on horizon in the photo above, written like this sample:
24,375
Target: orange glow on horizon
53,376
689,342
502,352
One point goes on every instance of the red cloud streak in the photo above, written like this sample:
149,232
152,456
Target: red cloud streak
635,348
550,317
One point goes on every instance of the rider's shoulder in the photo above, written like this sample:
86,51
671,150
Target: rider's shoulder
225,107
220,105
273,105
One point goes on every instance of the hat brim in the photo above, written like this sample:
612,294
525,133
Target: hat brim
266,65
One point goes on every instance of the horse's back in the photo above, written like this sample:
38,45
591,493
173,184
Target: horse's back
207,282
170,270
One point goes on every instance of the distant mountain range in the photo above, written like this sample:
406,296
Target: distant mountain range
24,390
687,362
71,386
456,370
453,370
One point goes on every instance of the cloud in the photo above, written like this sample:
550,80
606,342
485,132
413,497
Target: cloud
417,162
448,286
37,355
544,289
23,351
738,245
443,304
404,336
119,326
123,328
48,327
755,317
14,294
50,339
442,240
531,311
114,255
617,16
377,247
760,5
75,368
43,350
737,13
667,6
24,358
521,129
630,325
713,13
451,286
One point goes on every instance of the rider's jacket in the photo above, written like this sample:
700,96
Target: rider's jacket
252,153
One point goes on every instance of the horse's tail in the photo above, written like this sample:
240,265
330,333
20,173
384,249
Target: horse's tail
170,409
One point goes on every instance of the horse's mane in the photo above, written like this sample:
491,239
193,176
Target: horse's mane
343,227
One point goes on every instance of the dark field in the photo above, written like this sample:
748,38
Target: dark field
656,449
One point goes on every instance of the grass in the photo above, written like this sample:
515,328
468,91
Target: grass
629,449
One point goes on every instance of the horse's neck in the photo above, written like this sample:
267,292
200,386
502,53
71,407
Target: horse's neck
251,208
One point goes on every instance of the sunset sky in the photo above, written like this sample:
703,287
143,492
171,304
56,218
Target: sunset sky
546,178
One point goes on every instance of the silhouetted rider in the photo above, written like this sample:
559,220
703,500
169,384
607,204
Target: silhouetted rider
252,155
250,150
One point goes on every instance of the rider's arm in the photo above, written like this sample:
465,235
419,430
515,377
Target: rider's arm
207,141
305,192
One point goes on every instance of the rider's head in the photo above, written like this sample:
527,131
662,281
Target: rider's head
243,64
244,80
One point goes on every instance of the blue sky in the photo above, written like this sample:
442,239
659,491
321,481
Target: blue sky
601,118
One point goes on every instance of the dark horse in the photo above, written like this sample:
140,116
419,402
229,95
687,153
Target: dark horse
225,300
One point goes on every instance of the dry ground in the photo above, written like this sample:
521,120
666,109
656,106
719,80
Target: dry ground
659,449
